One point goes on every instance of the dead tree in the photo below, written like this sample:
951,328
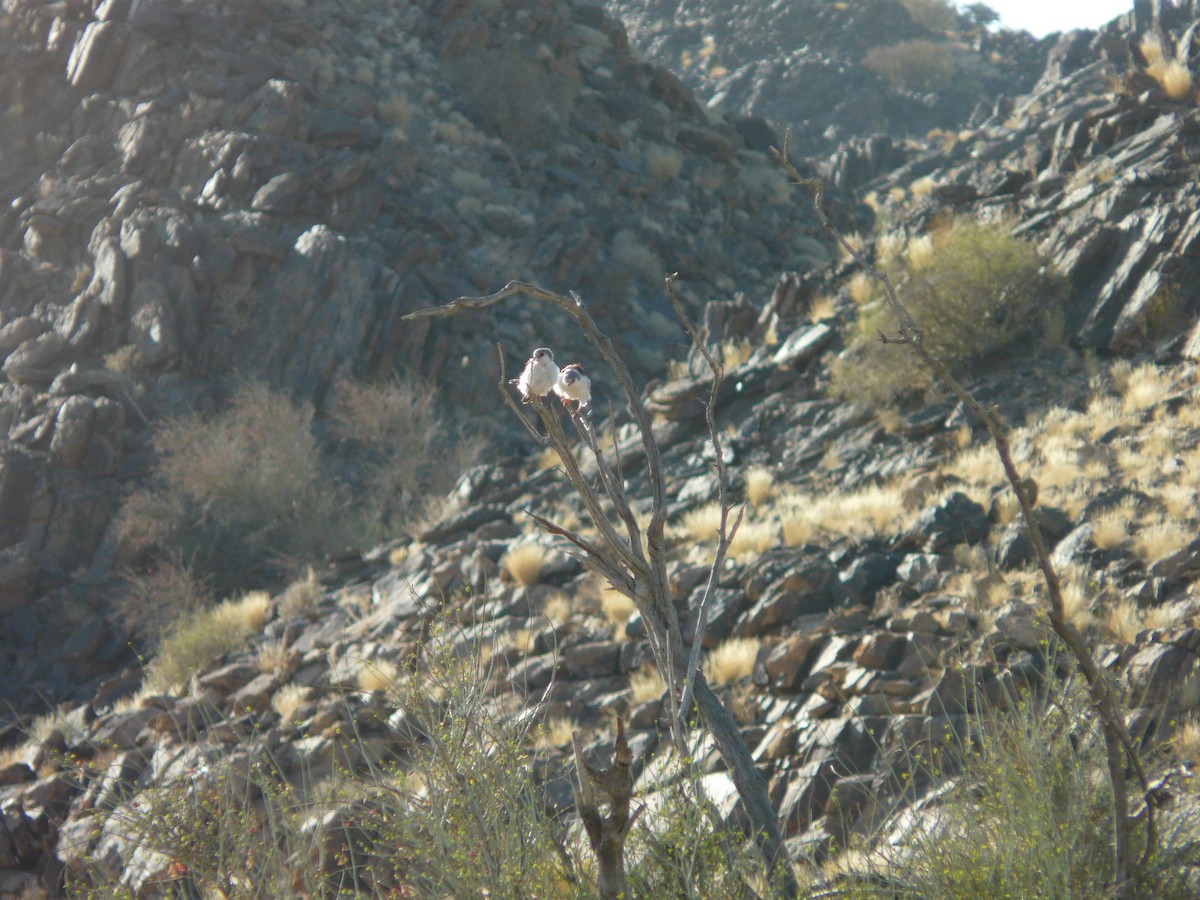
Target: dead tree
1120,749
635,562
607,833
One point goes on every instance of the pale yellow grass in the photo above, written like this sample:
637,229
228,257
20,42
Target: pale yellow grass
524,563
732,660
753,538
857,244
822,309
1186,744
557,607
288,699
1159,539
1111,527
205,635
301,597
760,486
919,252
1172,75
617,607
889,247
735,351
978,465
1147,386
1078,598
700,524
1180,500
523,641
272,657
861,288
1158,617
1124,620
377,675
664,162
554,732
1104,413
878,509
646,685
922,186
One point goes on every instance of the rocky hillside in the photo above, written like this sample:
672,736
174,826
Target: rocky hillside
881,592
835,71
199,193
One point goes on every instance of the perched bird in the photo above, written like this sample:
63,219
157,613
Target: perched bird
574,384
539,376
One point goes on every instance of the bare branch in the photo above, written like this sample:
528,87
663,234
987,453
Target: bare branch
724,532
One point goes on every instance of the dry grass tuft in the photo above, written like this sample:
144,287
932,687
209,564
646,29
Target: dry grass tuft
1172,75
617,608
1160,539
205,635
735,351
732,661
524,563
554,733
272,657
1124,621
288,700
301,597
664,162
377,675
1146,387
700,524
557,607
646,685
861,288
1111,527
874,510
753,538
760,486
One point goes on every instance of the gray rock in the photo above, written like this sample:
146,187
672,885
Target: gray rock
96,56
956,520
37,360
279,196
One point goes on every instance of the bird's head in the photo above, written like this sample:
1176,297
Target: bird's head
543,353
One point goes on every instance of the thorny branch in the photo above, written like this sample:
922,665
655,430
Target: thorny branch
1119,745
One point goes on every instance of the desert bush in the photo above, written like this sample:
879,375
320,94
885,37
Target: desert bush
394,453
918,65
681,852
241,495
936,15
154,600
1028,812
981,292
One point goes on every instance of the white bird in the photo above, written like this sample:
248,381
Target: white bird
574,384
539,376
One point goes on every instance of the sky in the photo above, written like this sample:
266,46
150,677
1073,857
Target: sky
1043,16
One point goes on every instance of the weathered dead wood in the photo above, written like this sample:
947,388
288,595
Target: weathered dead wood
1119,746
607,832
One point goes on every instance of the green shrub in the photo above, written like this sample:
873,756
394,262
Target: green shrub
918,65
978,293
